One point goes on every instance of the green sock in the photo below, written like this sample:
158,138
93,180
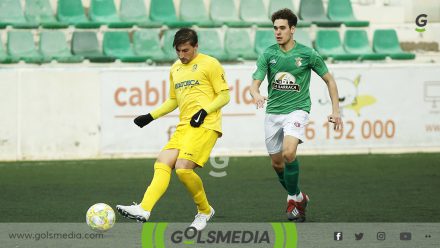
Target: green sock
291,176
281,178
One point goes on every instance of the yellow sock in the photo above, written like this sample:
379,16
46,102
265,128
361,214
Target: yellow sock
158,186
195,187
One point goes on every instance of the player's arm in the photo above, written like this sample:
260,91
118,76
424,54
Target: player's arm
217,78
165,108
258,78
219,101
318,65
335,117
255,93
168,106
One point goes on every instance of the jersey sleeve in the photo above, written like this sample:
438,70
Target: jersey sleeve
317,63
168,106
172,92
217,77
261,71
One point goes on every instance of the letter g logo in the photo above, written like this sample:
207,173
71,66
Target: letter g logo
421,21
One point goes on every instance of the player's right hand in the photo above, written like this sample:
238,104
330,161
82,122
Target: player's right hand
336,120
143,120
259,100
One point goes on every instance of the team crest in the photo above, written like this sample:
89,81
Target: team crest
298,62
194,68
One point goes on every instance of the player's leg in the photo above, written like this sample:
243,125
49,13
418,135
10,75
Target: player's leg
161,178
274,140
291,168
294,131
194,153
278,165
296,200
159,184
194,185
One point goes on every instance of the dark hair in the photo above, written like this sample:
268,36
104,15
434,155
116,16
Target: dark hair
285,14
185,35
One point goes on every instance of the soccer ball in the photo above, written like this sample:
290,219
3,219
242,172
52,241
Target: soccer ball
100,217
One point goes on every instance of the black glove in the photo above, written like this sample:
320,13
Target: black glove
143,120
198,118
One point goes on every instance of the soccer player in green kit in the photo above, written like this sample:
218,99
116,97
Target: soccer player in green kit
288,65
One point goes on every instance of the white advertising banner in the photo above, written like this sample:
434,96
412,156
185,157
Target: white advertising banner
59,114
384,108
9,134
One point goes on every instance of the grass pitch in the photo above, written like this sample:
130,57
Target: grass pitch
343,188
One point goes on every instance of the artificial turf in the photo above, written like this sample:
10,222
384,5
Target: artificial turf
342,188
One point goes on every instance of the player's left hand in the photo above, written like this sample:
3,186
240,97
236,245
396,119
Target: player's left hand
143,120
336,120
198,118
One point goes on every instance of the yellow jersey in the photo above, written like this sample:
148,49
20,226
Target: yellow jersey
195,85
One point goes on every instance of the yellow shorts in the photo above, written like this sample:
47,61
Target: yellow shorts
194,144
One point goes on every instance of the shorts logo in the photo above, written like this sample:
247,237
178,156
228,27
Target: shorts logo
286,82
188,154
297,124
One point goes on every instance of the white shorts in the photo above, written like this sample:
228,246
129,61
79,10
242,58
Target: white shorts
276,126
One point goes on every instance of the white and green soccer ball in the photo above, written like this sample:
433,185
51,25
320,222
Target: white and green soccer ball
100,217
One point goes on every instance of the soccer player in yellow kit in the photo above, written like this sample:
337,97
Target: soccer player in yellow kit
199,89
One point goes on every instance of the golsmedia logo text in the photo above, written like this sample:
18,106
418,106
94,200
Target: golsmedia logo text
192,236
421,22
219,235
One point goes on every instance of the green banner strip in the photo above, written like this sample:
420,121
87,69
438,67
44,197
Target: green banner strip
159,235
147,235
291,235
279,235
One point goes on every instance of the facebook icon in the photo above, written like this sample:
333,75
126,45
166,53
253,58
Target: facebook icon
338,236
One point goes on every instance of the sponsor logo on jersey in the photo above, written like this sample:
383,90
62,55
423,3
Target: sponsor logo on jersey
286,82
187,83
272,61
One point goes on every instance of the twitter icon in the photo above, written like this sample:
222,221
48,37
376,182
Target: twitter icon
358,236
